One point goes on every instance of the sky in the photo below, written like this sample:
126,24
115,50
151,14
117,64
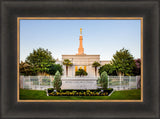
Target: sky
103,37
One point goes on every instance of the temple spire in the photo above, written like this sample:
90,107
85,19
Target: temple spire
80,49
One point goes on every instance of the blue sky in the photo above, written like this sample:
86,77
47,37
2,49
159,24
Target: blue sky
102,37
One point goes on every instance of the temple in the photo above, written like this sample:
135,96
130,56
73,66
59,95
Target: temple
81,60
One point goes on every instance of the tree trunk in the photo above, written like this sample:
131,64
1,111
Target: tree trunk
67,71
120,74
96,71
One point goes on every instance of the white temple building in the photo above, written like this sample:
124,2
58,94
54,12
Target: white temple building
81,60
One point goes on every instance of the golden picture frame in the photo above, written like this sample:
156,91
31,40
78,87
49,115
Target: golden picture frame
78,18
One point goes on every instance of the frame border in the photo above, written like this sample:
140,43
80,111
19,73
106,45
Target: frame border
148,9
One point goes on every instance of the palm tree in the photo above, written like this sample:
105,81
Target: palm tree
68,63
95,65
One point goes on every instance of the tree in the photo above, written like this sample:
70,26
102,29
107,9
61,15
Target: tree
123,62
68,63
81,72
103,80
53,68
95,65
137,68
57,82
26,69
109,69
40,59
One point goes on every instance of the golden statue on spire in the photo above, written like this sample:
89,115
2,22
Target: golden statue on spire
80,49
81,31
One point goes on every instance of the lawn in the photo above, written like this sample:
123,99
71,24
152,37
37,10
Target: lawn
134,94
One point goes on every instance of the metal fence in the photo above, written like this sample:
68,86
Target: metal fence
124,82
44,82
36,82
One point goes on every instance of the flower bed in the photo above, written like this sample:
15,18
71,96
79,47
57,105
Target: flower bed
98,92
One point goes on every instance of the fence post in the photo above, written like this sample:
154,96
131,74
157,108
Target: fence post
29,82
108,81
129,81
136,82
23,82
120,83
39,81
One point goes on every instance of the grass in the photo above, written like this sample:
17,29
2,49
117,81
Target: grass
134,94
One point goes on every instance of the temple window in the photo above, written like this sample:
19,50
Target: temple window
84,68
76,68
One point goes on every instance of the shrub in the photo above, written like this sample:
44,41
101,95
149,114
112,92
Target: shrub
57,81
97,93
80,93
70,93
67,93
50,90
74,92
88,91
103,80
109,90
